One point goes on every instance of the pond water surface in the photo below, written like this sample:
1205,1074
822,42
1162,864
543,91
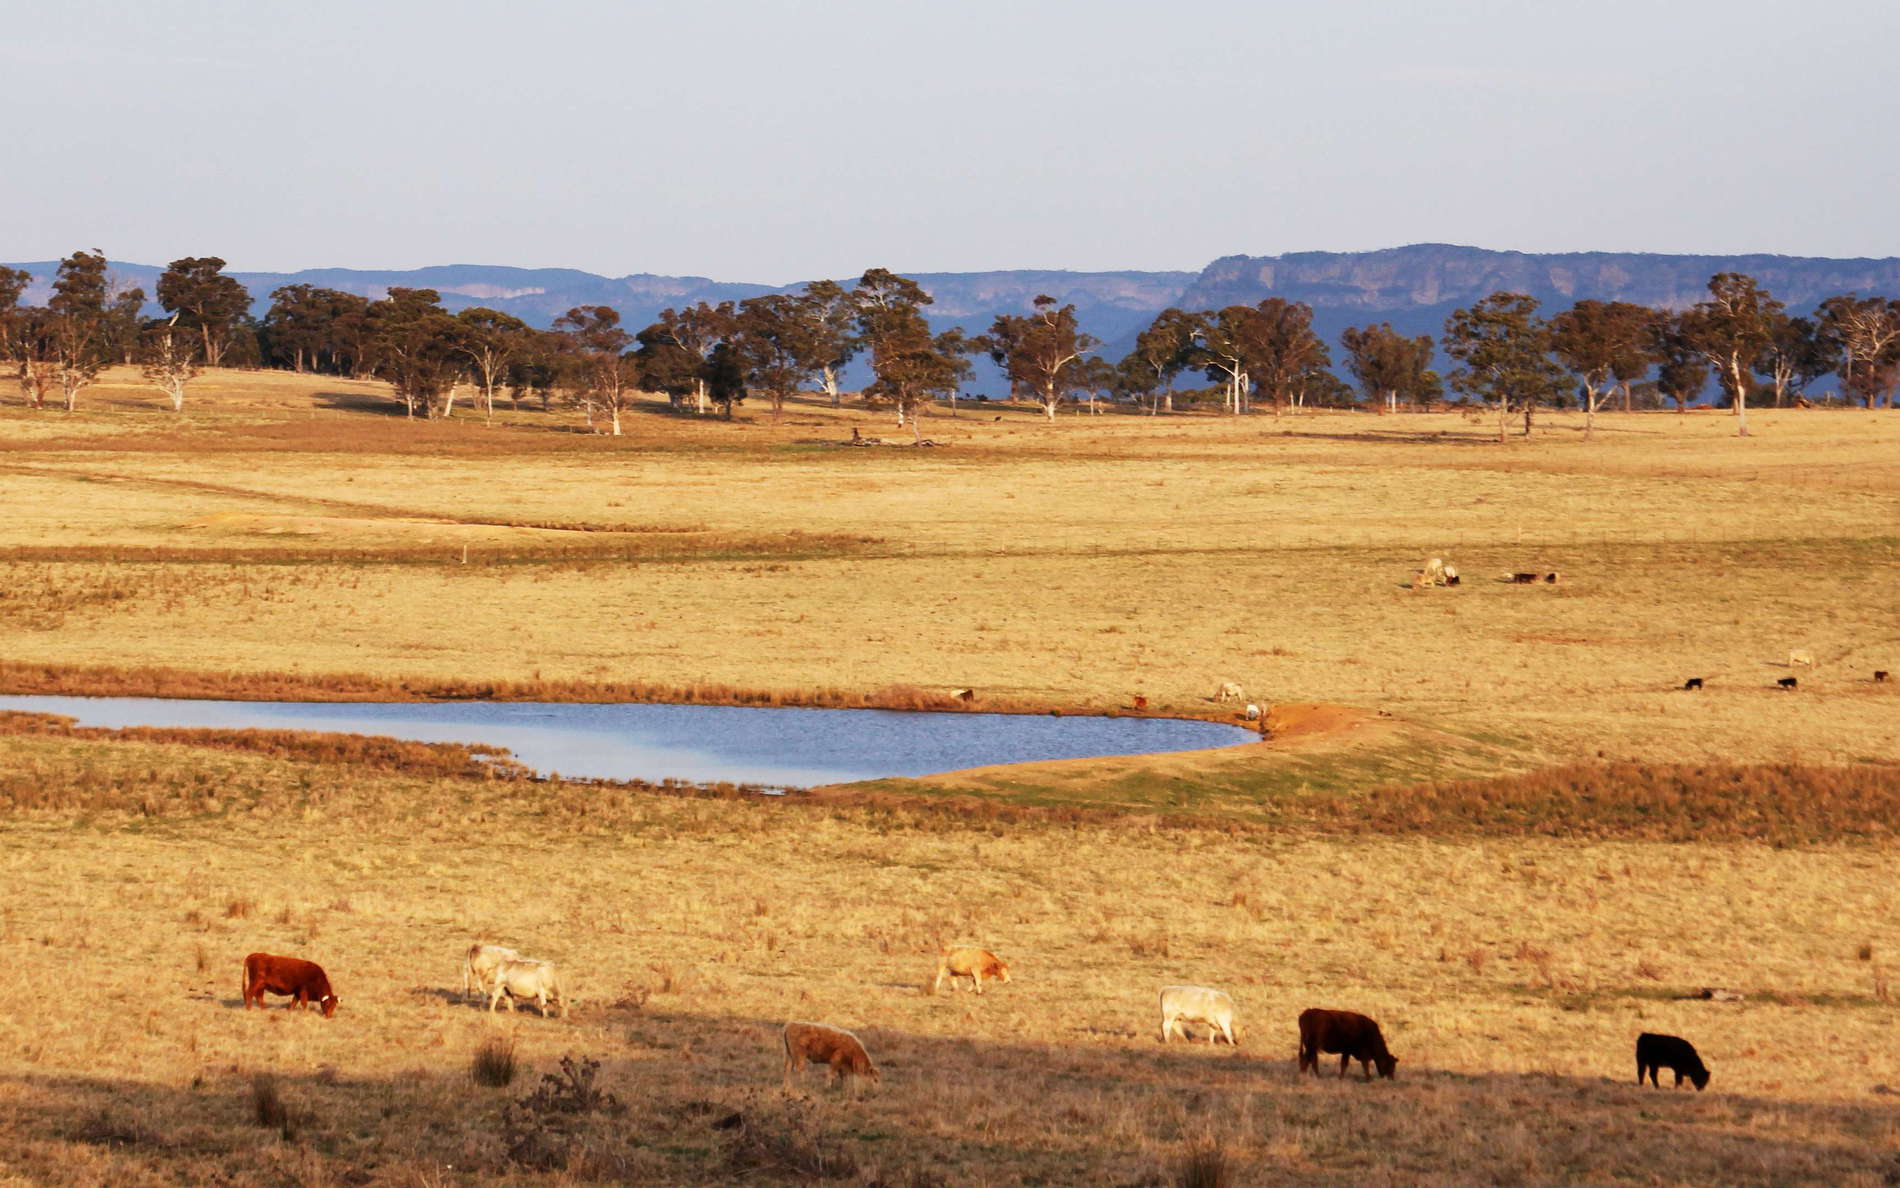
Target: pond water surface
699,743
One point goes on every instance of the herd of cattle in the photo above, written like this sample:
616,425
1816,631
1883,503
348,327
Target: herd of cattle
505,975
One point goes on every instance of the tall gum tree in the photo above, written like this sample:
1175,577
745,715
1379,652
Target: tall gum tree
78,309
910,363
604,368
490,340
776,346
831,320
1602,341
1865,332
1730,329
205,300
1389,366
1162,352
1045,355
1505,349
1282,351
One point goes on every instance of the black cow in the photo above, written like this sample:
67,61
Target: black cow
1678,1055
1789,683
1692,683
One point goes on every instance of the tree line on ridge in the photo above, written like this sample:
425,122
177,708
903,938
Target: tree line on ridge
706,358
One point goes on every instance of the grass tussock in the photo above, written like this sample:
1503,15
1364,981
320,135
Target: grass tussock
1205,1166
493,1064
267,1104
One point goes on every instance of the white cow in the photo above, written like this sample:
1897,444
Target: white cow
1253,712
480,964
1800,656
538,980
1197,1004
1230,691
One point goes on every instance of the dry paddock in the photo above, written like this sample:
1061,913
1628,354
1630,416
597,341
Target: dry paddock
1511,979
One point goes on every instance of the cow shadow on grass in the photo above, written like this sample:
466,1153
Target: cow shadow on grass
698,1088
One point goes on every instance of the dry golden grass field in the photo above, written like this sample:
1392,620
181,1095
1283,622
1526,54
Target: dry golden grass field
1487,815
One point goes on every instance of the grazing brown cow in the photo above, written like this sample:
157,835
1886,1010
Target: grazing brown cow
1880,676
303,980
833,1047
1523,579
1352,1035
974,964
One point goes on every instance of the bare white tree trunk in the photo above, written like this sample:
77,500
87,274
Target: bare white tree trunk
831,387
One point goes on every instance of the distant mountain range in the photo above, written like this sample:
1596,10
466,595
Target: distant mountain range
1413,288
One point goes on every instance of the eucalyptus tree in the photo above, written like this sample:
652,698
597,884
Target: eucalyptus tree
78,321
1283,353
1865,331
1162,352
169,358
1603,342
911,364
776,345
1797,354
417,347
1731,329
1390,367
697,329
1505,349
491,341
1681,370
1224,341
831,324
205,300
13,319
1043,351
603,367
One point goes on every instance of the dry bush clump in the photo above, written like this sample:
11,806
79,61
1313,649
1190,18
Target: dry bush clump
783,1138
494,1063
1205,1166
267,1104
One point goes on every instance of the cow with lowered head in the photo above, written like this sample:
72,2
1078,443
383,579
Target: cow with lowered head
304,981
1353,1036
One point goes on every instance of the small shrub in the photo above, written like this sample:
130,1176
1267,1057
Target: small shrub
267,1104
237,908
1866,951
1204,1166
1475,957
494,1062
783,1141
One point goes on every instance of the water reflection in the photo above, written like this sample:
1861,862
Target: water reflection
700,743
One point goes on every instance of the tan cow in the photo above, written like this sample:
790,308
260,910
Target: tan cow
971,963
1230,691
1197,1004
833,1047
479,965
538,980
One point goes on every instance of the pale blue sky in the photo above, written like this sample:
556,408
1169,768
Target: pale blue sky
777,141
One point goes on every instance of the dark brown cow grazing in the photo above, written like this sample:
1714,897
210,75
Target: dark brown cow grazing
1692,683
1880,676
1523,579
1678,1055
1352,1035
1789,682
304,981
